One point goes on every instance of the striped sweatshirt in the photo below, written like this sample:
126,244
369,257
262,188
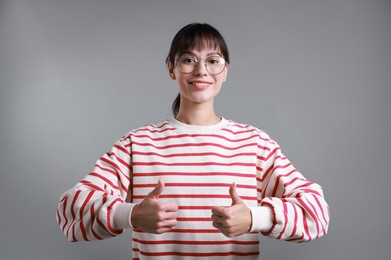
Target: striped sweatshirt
198,164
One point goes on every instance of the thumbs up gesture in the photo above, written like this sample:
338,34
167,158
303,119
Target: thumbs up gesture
154,216
234,220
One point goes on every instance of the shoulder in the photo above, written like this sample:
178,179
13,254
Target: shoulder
248,129
160,128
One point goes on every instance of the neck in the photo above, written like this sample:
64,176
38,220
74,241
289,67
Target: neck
197,114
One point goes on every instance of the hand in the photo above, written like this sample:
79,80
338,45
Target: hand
234,220
153,216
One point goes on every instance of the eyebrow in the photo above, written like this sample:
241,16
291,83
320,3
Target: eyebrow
208,54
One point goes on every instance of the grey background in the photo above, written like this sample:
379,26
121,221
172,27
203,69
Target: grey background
76,75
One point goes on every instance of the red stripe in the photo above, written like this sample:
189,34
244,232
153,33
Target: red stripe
91,185
196,254
64,206
281,166
277,182
272,153
274,218
265,177
321,209
98,220
306,230
154,126
127,165
123,187
294,220
261,158
317,219
193,144
73,215
109,225
181,136
239,132
195,207
310,210
263,148
198,230
187,231
105,180
149,174
242,125
73,234
191,154
191,242
115,166
271,169
92,214
194,164
152,185
58,217
286,213
81,215
122,149
297,239
193,219
207,196
293,180
260,170
311,191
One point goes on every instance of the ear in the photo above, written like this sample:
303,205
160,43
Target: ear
171,70
225,73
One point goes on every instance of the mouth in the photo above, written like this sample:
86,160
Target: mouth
200,84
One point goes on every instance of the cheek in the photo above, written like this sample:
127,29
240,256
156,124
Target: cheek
220,80
181,83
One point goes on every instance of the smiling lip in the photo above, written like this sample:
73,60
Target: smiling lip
200,84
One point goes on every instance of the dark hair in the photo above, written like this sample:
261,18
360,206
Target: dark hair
189,37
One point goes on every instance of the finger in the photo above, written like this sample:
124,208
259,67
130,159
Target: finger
163,230
218,211
217,225
165,226
170,215
169,206
234,195
154,194
216,219
167,223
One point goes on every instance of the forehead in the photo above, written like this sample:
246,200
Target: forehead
202,52
200,45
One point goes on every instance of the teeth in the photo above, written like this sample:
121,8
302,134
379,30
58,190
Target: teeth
200,84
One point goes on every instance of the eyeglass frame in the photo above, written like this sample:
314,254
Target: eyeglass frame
206,66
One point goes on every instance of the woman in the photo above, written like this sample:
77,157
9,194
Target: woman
197,185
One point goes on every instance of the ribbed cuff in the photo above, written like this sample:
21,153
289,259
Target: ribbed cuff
121,215
262,219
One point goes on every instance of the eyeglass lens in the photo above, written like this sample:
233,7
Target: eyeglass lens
214,64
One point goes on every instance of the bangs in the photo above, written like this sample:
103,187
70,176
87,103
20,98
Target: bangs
197,36
198,41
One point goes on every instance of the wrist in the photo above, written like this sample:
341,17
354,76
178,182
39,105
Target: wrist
121,215
262,219
133,216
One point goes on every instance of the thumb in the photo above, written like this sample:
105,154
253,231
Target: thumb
154,194
234,195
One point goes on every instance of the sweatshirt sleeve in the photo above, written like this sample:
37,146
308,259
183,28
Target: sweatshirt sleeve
298,209
87,211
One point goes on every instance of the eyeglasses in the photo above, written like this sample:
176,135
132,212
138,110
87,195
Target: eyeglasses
213,64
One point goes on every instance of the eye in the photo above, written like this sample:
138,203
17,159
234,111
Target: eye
215,60
188,60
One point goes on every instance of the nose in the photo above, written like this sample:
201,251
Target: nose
200,68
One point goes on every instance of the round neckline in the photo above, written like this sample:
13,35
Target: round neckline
198,128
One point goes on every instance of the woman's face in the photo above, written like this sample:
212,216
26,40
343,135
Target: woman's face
199,86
